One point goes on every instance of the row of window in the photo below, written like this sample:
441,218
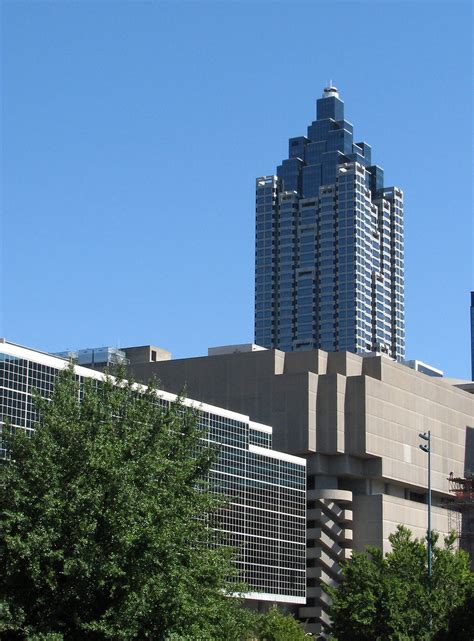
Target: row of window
267,496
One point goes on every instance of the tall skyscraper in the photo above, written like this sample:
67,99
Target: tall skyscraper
329,262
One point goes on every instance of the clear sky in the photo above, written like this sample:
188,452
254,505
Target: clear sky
133,133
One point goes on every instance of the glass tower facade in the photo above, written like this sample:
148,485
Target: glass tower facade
329,256
265,515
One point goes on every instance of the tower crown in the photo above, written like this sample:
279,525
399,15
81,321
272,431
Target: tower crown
330,91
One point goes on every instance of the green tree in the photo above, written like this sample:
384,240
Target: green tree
461,621
387,598
103,523
275,626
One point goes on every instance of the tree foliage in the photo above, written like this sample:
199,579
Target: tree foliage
388,598
275,626
103,532
460,625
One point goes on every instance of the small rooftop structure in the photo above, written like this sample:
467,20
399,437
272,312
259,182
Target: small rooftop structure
424,368
234,349
146,354
102,357
92,356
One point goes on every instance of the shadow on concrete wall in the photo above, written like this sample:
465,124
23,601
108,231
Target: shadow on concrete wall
469,455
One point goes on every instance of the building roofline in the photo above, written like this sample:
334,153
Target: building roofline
20,351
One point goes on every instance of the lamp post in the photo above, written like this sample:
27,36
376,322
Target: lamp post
426,447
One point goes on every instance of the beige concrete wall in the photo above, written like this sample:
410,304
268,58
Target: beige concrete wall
145,353
336,404
251,383
378,515
414,516
368,527
401,406
330,412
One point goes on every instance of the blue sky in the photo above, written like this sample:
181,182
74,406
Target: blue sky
133,133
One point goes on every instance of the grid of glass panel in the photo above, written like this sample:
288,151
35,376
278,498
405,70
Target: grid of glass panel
260,438
265,515
264,519
18,379
329,246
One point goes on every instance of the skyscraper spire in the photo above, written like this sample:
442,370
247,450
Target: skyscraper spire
330,91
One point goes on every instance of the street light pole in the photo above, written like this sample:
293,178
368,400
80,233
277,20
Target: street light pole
426,447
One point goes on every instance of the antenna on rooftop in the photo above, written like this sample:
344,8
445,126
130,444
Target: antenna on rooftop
330,91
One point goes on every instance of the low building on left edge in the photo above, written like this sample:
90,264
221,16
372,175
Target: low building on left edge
266,515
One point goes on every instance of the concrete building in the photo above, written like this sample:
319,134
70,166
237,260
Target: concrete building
329,245
265,518
357,421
